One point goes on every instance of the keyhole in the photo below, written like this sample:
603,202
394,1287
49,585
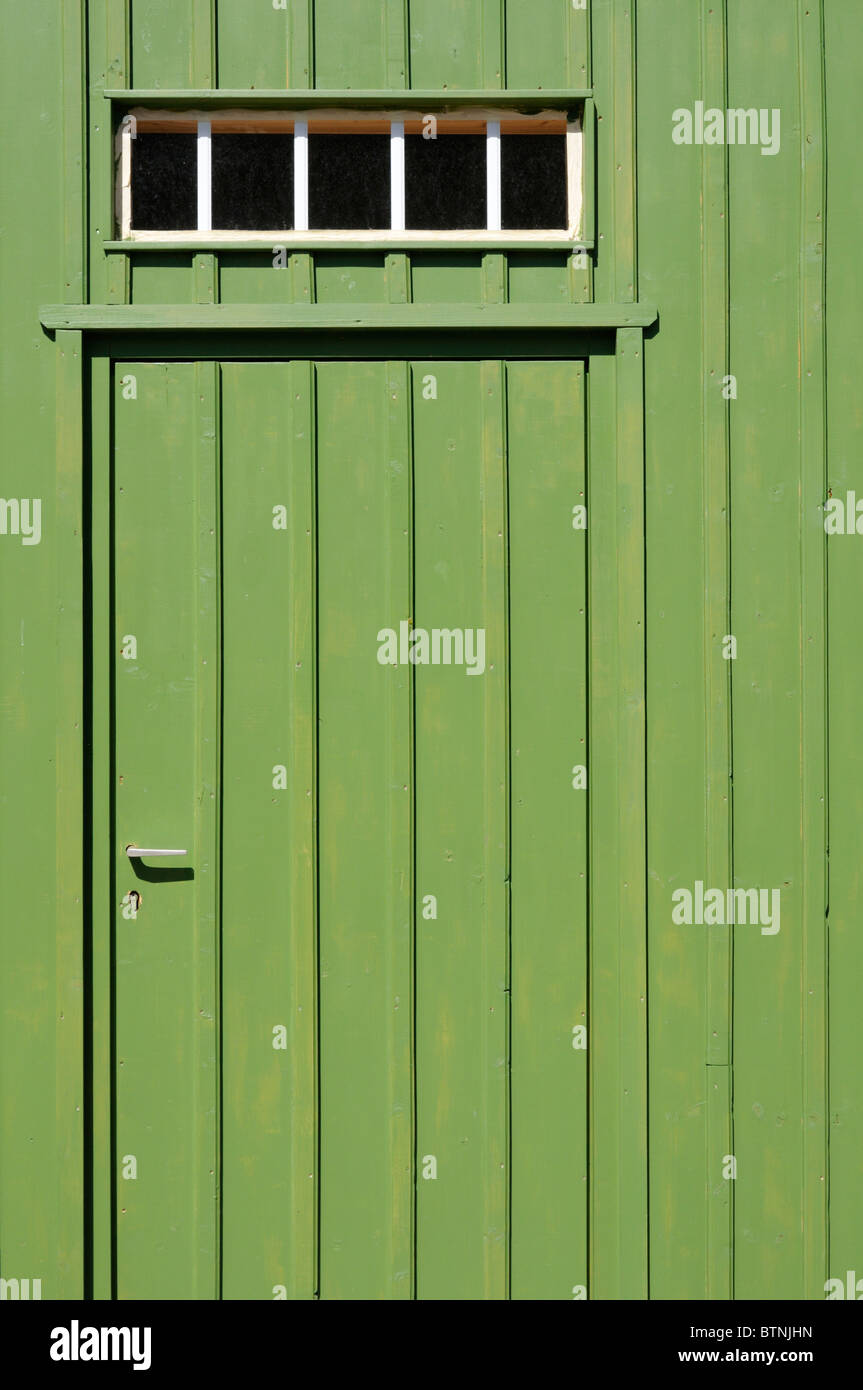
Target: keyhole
135,899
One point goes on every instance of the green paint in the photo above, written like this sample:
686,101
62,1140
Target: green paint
411,1035
364,870
165,772
548,646
268,899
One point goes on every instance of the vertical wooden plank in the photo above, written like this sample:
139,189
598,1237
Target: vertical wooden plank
813,641
396,39
681,265
538,277
545,45
397,274
162,42
250,277
618,1057
718,1282
439,277
401,1041
343,277
205,273
579,66
613,25
350,43
301,73
207,939
492,43
581,263
41,1051
548,663
365,837
98,567
203,43
73,135
108,44
68,1156
116,55
166,762
301,48
778,760
163,278
452,43
845,583
68,1012
268,885
397,266
715,486
253,44
462,859
616,739
494,278
205,270
492,75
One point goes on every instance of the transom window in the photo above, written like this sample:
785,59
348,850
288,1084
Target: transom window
389,177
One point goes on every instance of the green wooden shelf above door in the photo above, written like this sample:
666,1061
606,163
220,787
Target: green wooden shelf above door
344,317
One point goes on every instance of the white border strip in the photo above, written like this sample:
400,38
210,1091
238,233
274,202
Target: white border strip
124,189
397,176
551,238
492,173
301,176
574,178
205,177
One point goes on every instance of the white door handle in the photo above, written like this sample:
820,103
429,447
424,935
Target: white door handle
135,853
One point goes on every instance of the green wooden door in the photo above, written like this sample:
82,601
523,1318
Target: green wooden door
350,679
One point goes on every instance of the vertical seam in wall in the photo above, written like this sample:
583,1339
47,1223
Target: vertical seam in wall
826,647
412,773
88,895
315,637
588,850
110,483
507,812
825,903
408,74
729,720
645,1022
811,332
220,804
633,147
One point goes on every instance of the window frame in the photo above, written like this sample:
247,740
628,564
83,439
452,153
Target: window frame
495,121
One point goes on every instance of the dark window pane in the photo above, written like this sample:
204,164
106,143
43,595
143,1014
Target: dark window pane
349,182
253,182
164,182
533,181
445,182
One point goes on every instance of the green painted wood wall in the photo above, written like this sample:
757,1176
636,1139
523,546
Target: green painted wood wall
704,1042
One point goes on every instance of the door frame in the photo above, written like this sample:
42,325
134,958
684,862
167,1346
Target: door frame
610,340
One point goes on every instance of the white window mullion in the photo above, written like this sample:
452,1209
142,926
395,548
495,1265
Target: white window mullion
397,176
301,176
205,177
492,170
